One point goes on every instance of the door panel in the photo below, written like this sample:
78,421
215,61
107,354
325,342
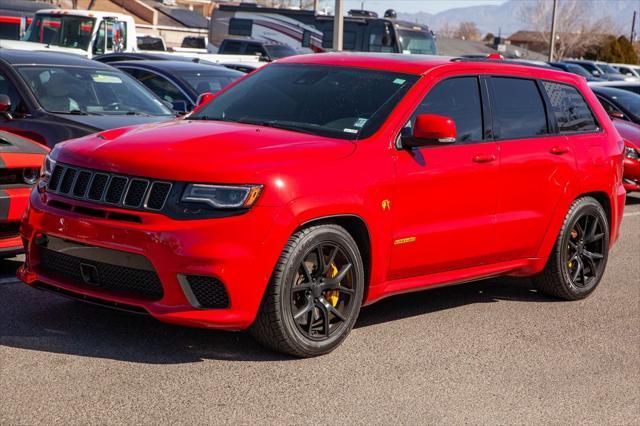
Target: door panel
444,209
446,195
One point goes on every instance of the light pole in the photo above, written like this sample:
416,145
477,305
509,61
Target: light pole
552,42
338,26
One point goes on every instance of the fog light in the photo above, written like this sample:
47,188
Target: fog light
30,176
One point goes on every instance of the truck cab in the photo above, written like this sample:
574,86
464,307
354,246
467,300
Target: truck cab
83,32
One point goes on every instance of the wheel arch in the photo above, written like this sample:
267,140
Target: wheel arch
357,227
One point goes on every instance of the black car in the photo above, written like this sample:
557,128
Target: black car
51,97
619,103
575,69
267,51
110,58
179,83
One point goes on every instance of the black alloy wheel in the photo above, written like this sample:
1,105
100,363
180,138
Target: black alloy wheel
577,262
315,293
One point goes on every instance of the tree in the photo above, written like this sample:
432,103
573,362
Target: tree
576,29
489,38
467,31
614,50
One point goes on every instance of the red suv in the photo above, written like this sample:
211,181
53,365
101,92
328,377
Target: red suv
322,183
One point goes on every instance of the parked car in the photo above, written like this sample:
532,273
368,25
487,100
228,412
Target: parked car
20,162
267,51
622,85
600,70
110,58
575,69
179,83
630,132
618,103
323,182
628,69
51,97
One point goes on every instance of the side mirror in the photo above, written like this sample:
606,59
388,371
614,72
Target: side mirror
596,73
431,129
5,106
202,100
616,114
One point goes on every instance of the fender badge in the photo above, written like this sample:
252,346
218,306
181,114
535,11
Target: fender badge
404,241
386,205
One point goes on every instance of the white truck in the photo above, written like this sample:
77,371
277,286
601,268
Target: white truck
89,33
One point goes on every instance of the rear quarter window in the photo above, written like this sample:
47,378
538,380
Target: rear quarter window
571,111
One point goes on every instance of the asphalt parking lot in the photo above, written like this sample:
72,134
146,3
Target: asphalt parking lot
487,352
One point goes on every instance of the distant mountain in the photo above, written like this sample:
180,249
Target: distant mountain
506,17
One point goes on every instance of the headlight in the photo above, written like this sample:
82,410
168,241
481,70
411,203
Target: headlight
222,196
631,153
30,175
48,166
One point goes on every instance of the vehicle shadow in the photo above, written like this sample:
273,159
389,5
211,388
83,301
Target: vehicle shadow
41,321
633,199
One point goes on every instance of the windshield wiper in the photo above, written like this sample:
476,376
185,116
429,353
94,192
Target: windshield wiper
285,125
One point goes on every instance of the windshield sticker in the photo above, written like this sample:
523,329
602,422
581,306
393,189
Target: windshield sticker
360,122
101,78
350,131
399,81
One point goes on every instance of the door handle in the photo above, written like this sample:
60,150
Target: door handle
484,158
559,150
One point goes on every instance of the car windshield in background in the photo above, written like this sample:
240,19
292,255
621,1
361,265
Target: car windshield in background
72,90
209,81
61,30
277,51
628,100
608,68
417,42
635,88
346,103
577,69
150,43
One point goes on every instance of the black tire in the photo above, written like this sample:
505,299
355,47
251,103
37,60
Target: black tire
576,264
275,326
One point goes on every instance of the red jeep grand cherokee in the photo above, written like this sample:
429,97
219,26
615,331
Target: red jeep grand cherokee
324,182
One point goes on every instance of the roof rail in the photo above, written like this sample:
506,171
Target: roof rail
504,61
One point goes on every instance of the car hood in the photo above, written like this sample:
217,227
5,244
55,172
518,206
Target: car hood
105,122
201,151
30,45
628,130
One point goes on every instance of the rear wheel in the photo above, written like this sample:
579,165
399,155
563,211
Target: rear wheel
579,257
315,294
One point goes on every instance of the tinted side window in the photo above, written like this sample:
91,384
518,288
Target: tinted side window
457,98
518,109
569,107
232,47
162,87
240,27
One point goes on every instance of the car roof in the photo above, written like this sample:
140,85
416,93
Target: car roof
26,57
614,83
421,64
171,65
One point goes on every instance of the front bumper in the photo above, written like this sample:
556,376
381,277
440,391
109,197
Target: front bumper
232,250
13,202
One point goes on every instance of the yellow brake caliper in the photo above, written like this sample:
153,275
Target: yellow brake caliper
574,235
332,295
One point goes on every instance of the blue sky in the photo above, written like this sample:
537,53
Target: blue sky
431,6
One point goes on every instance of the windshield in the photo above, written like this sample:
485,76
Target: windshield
340,102
627,100
277,51
417,42
577,69
209,81
607,68
61,30
87,91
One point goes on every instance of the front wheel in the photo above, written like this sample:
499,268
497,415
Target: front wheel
315,293
577,262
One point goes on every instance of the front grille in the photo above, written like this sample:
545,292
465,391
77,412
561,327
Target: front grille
110,189
9,230
141,283
208,291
